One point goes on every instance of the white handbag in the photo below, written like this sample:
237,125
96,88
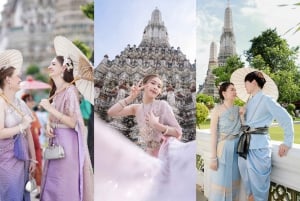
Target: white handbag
30,184
54,151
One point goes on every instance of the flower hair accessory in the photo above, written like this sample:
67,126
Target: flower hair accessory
68,63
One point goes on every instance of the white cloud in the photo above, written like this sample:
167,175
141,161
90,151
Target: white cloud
250,18
178,16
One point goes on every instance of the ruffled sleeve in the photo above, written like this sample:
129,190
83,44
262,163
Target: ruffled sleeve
167,117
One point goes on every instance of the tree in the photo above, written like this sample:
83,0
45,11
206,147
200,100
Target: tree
86,50
223,73
32,70
272,52
288,86
291,109
207,100
88,10
201,113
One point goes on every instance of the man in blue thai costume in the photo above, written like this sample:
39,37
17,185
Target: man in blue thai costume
254,147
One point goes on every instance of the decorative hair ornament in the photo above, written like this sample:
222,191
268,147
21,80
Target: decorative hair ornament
68,63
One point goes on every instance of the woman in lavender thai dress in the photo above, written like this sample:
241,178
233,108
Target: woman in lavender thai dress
14,173
225,127
69,178
159,134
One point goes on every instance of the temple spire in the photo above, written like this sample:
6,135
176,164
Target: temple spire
213,56
227,40
155,33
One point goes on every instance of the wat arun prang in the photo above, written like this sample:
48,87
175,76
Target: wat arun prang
113,78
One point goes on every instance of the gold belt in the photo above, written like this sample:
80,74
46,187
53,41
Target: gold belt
224,136
221,141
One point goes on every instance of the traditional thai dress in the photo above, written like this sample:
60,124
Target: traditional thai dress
166,172
13,172
176,179
69,178
256,169
225,181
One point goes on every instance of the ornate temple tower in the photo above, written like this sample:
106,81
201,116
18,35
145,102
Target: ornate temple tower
227,49
209,87
155,33
113,78
72,23
227,40
31,25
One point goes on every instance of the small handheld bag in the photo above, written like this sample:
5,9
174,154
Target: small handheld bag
20,148
54,151
30,184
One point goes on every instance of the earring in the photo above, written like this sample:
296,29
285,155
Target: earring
62,75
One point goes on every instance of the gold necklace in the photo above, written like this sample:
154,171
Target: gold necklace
231,115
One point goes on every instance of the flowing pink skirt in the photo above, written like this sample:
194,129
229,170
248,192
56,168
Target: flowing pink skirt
125,172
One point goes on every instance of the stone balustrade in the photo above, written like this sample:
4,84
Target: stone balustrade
285,176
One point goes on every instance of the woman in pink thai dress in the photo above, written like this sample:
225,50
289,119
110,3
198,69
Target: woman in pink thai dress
68,178
159,136
14,172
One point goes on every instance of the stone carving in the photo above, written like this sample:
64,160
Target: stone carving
153,55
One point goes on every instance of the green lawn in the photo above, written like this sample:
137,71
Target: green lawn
276,132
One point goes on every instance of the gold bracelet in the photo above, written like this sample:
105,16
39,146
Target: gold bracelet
34,161
166,131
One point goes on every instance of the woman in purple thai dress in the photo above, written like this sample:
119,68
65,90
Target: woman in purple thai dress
68,178
15,118
159,135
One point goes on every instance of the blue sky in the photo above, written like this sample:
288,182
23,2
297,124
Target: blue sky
250,18
122,22
190,24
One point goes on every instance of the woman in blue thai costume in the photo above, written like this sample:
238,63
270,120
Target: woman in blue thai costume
225,127
15,120
261,109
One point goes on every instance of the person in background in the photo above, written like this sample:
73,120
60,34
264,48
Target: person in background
35,131
43,119
86,109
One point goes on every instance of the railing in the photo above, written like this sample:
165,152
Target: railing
285,176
